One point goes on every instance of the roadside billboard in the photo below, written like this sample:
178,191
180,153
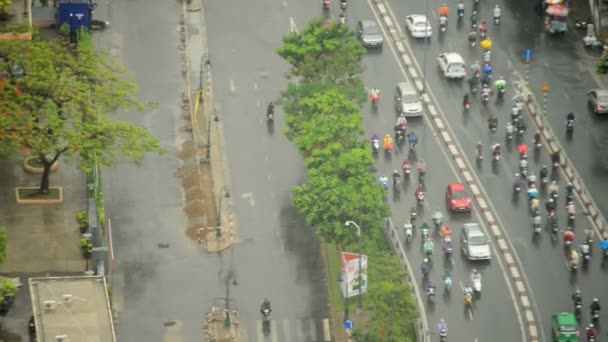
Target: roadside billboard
350,274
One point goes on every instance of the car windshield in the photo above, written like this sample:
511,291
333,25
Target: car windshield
567,328
459,195
371,30
478,240
456,66
409,98
602,98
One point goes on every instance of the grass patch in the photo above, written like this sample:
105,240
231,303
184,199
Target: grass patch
34,193
20,28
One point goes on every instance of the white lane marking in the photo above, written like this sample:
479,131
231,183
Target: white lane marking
232,86
284,3
292,25
500,262
273,331
475,340
249,196
286,328
255,85
326,330
313,330
257,103
259,330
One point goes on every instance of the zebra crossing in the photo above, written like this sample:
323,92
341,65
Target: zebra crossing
297,330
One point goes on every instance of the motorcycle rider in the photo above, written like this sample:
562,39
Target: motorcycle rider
425,267
550,205
472,37
496,13
460,8
483,27
396,178
595,306
405,165
500,84
430,288
517,181
384,181
531,179
569,235
496,149
444,10
443,22
474,82
555,158
571,209
570,121
570,117
521,127
422,168
419,192
479,148
412,139
585,250
388,142
442,327
401,122
553,188
466,100
523,150
265,306
509,129
487,70
474,19
591,332
493,123
544,172
537,138
468,293
270,110
475,68
577,298
409,230
486,92
574,259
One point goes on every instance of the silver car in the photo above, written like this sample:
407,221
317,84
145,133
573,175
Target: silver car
369,33
407,100
475,244
598,99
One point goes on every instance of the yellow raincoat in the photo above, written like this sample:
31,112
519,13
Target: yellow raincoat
486,44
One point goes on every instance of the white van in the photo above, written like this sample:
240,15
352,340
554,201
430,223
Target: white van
407,100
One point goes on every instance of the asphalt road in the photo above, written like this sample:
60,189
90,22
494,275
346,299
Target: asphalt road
161,294
279,255
544,262
382,71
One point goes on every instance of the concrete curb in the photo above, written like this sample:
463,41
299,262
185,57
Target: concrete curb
512,266
596,218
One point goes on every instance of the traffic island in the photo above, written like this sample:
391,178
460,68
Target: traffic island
32,195
34,166
221,325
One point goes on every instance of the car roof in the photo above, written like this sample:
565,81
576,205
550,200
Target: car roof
456,186
565,318
453,57
368,22
418,17
406,88
600,91
473,229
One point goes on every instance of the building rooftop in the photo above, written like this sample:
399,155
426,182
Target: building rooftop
72,309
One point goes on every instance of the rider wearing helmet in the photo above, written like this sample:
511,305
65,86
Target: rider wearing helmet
500,84
497,12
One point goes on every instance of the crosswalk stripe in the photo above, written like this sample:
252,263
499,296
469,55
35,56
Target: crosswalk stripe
273,331
259,328
313,330
299,331
286,329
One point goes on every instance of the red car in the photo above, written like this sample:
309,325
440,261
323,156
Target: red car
457,197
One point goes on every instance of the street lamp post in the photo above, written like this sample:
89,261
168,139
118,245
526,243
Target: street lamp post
348,223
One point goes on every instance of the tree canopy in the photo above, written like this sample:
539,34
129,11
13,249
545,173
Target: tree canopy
319,53
61,101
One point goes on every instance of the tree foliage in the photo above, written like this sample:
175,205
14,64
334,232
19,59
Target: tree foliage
602,65
3,244
61,105
318,53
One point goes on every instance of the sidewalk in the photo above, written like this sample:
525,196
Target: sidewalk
41,238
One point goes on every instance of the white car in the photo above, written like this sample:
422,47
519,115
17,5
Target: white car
475,244
418,26
452,65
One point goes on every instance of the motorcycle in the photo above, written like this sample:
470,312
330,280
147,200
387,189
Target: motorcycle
425,232
569,126
509,135
467,104
400,136
447,246
501,92
496,20
448,283
578,307
460,13
409,231
553,221
443,24
388,147
595,316
443,335
517,187
326,4
523,170
343,5
468,299
420,196
437,219
430,294
544,180
581,24
496,156
407,169
476,282
375,146
536,224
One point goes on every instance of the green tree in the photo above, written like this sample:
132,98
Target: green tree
63,104
602,65
321,54
327,201
3,244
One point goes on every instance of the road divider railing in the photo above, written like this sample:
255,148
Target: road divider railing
523,300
